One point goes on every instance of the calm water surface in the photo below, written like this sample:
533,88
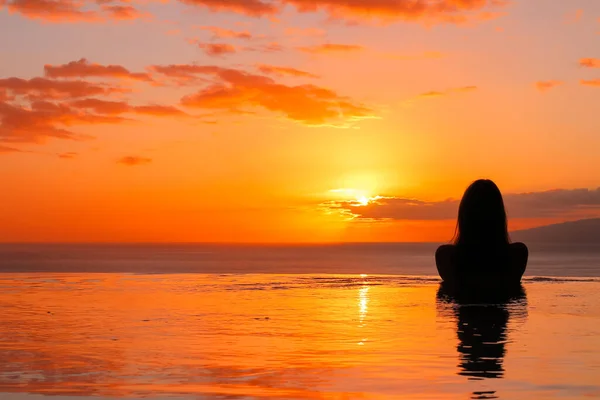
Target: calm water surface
292,336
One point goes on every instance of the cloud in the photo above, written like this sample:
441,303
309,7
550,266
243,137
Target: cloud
44,120
590,62
217,49
329,48
123,13
6,149
134,160
544,86
47,88
158,110
222,33
451,11
253,8
68,155
593,82
72,11
102,106
434,93
284,71
553,203
37,109
305,32
573,16
237,91
272,47
120,107
83,68
419,56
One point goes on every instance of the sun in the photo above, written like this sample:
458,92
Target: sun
363,200
356,197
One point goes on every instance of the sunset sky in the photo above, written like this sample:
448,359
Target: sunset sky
292,120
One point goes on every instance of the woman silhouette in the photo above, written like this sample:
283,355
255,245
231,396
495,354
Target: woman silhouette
481,258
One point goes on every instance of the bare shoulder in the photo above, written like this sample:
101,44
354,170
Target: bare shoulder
519,250
444,261
444,251
519,254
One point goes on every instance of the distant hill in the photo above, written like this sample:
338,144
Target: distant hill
583,231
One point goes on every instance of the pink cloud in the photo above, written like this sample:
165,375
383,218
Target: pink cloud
217,49
83,68
222,33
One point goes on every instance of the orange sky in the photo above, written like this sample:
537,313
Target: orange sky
292,120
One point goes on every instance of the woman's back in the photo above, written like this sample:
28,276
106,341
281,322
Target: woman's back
482,256
463,266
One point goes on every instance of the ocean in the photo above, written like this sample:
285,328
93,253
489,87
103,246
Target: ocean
352,321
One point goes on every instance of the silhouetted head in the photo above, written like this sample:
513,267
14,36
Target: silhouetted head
481,216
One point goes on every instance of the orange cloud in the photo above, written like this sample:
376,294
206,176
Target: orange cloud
217,49
67,156
158,110
305,32
449,91
328,48
284,71
593,82
221,33
119,107
451,11
272,47
590,62
237,91
6,149
71,11
544,86
254,8
83,68
44,120
123,13
418,56
134,160
102,106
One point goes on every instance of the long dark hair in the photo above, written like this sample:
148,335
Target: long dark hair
482,216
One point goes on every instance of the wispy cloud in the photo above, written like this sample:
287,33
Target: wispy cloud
222,33
284,71
83,68
238,91
67,156
7,149
73,11
254,8
217,49
331,48
132,161
591,82
446,92
544,86
590,62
